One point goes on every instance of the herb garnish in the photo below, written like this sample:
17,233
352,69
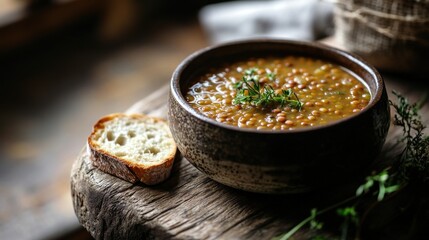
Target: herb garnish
271,76
412,167
250,91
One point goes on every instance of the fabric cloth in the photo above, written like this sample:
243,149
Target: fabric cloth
285,19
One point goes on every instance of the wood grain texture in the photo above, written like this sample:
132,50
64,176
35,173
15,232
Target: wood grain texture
191,206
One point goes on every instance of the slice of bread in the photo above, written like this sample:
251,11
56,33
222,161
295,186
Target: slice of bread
133,147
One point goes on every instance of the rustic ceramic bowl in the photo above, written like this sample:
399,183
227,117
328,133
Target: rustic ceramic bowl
278,161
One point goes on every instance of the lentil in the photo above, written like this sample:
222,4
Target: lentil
328,93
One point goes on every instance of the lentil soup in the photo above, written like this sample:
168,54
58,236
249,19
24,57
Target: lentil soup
278,93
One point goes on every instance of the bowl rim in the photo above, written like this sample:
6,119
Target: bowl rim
175,90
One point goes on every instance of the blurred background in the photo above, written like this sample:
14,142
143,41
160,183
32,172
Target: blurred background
66,63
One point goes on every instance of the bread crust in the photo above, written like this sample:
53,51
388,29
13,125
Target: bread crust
130,171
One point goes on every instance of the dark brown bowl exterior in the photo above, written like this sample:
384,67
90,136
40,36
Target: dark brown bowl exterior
278,161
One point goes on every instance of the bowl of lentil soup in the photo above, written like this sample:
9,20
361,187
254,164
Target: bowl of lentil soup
277,116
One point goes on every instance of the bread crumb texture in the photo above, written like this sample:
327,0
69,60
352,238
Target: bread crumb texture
143,140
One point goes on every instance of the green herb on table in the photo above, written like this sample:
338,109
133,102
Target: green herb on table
386,185
309,220
350,220
250,91
413,162
349,214
314,223
410,167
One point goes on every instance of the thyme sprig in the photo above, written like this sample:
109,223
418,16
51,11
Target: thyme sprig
412,166
250,91
386,184
374,184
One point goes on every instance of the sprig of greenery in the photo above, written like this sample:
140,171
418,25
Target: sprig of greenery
314,224
349,213
350,217
413,164
386,185
309,220
250,91
271,76
412,167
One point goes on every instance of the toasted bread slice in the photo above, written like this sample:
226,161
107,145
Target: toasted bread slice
133,147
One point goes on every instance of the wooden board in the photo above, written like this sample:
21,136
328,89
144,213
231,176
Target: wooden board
191,206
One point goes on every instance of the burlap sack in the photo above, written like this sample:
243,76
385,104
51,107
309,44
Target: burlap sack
392,35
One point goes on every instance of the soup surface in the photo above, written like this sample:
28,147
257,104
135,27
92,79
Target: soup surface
278,93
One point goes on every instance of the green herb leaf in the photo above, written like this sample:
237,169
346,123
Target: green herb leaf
351,219
412,167
385,185
414,159
349,213
271,76
314,224
250,71
250,91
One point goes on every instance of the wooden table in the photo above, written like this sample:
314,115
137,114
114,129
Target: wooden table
191,206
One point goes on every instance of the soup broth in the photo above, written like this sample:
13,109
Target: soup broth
278,93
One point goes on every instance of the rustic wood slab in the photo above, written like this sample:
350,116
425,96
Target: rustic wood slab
191,206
